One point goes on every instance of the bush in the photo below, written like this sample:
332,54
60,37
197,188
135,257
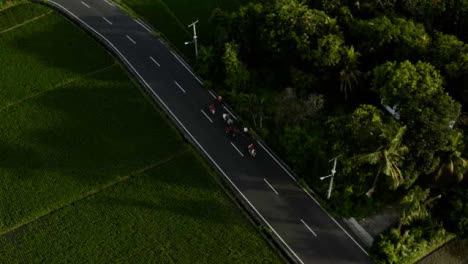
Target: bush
409,245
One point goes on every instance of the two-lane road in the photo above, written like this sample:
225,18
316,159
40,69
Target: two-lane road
296,219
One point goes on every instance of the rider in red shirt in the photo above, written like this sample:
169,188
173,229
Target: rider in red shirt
212,109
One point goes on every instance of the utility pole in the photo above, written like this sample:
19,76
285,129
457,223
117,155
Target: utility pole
331,176
195,42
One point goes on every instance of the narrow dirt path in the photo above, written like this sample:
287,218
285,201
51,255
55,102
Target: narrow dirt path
26,22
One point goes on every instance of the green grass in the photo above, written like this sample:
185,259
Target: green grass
171,18
20,13
172,214
57,146
71,120
90,172
45,53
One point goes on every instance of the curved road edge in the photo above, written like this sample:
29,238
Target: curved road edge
243,201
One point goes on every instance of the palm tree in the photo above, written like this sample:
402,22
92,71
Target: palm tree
414,206
453,165
349,74
388,159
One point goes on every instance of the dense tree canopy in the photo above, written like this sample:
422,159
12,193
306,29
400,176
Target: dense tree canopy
291,28
379,83
423,106
395,36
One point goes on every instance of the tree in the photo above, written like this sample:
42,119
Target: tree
453,165
298,146
329,50
452,210
365,127
245,27
251,105
415,204
388,160
450,55
446,49
205,61
349,74
424,107
222,20
289,109
304,82
392,37
454,19
426,11
361,132
331,7
237,76
457,220
291,29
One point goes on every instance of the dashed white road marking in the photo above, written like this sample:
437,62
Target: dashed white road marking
186,67
143,25
270,186
129,38
308,227
183,127
212,94
109,3
203,112
331,217
281,165
237,149
336,222
85,4
180,87
107,20
225,108
151,58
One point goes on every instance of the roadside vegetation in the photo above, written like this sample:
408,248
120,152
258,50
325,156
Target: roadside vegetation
380,84
90,170
171,18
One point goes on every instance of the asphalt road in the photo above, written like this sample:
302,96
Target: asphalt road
298,222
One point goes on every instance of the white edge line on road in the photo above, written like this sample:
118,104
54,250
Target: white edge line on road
225,108
212,94
186,67
336,222
180,87
85,4
109,3
143,25
281,165
184,128
110,23
151,58
308,227
129,38
203,112
237,149
271,186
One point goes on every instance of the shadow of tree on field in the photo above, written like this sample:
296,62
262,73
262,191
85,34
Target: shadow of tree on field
71,140
14,156
209,211
58,43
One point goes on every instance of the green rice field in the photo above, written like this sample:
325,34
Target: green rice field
90,170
